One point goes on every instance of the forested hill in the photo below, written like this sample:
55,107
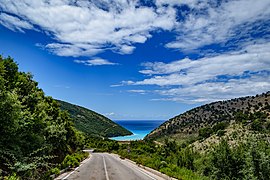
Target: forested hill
35,135
92,123
251,110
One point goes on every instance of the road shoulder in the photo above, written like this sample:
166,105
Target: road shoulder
66,174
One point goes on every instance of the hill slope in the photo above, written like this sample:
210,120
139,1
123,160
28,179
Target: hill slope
248,109
92,123
35,135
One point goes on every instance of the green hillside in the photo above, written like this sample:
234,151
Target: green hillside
252,111
35,135
92,123
221,140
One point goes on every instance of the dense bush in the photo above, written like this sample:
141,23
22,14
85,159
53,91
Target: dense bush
35,135
101,145
249,159
205,132
73,160
220,126
169,158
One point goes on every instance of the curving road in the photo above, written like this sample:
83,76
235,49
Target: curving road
104,166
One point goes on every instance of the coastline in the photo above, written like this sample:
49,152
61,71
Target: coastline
139,129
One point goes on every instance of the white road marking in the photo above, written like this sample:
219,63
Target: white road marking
68,175
76,169
138,169
134,167
105,168
145,173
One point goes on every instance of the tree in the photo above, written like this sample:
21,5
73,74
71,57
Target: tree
205,132
34,133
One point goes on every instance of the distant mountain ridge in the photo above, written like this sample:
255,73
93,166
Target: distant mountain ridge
211,114
92,123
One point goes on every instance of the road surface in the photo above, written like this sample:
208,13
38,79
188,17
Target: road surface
104,166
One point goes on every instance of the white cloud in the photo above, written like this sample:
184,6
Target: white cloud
71,49
84,28
186,71
110,114
139,91
214,91
208,22
224,76
95,62
125,49
14,23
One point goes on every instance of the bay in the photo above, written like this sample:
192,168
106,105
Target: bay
139,128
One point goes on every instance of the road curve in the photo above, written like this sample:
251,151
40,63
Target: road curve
104,166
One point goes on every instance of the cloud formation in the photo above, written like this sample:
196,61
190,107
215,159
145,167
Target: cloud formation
85,28
218,22
95,62
206,79
140,91
215,91
14,23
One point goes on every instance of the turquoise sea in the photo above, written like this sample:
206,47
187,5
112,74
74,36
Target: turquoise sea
139,128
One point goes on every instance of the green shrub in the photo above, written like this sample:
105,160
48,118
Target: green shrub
55,171
205,132
12,177
73,160
248,160
220,126
220,133
70,161
256,125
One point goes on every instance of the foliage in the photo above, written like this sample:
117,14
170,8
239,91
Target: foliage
257,120
248,160
169,158
220,126
73,160
226,163
102,145
55,171
220,133
38,139
92,123
205,132
35,135
217,128
216,116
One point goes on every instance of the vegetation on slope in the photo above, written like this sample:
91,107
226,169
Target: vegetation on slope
186,125
228,149
249,159
92,123
35,135
230,141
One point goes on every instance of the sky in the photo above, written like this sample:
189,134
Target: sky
132,59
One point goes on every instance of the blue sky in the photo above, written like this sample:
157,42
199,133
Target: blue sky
140,59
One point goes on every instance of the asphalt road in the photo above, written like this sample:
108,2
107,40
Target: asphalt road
104,166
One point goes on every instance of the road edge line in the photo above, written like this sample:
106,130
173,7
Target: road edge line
82,163
137,167
145,173
148,169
